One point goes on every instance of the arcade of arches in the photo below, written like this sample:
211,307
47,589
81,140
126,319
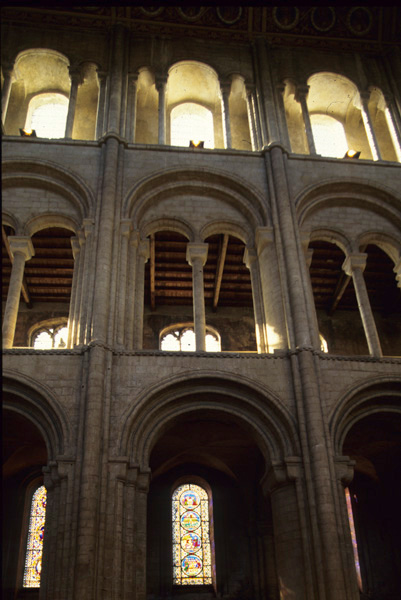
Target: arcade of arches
201,288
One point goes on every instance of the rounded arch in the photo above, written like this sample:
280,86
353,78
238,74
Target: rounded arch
356,193
377,395
333,237
202,182
176,225
256,408
386,242
52,322
46,221
234,229
45,174
11,221
36,402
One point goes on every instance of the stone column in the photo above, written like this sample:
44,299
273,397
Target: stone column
131,288
8,73
389,113
251,117
161,86
285,139
291,560
196,257
130,125
367,121
301,94
275,328
262,59
71,318
142,258
22,250
354,265
76,80
102,79
121,324
225,89
258,124
251,261
85,258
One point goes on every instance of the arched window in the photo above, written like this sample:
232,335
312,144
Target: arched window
192,552
47,338
182,338
190,121
34,546
47,115
329,136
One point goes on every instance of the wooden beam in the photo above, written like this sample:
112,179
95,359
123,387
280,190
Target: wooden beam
152,273
219,269
24,289
342,285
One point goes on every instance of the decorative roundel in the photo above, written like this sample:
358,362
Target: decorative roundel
323,18
359,20
191,565
229,14
191,13
190,542
285,17
190,520
152,11
190,499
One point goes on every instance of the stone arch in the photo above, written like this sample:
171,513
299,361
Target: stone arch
235,229
379,394
273,429
233,191
11,221
46,221
352,194
333,237
177,225
389,244
37,403
47,175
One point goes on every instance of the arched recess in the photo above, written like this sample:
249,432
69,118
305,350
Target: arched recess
220,429
367,430
383,125
179,190
37,71
35,436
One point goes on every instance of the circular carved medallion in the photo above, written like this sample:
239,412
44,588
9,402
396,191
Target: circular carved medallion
285,17
229,14
323,18
359,20
191,13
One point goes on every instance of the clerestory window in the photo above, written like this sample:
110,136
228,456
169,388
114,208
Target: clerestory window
329,136
182,339
192,535
47,115
191,122
34,546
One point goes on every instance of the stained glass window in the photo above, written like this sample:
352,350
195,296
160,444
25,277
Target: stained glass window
34,547
353,536
192,560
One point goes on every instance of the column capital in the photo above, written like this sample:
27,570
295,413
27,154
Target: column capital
250,257
76,248
301,92
160,82
280,87
250,88
125,227
75,74
282,474
21,245
225,88
354,261
264,237
87,227
196,252
135,238
344,467
397,271
133,77
364,95
144,249
101,75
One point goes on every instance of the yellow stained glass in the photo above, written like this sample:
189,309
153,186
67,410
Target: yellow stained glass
33,557
191,536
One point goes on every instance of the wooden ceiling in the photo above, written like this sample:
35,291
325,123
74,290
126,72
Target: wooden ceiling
168,276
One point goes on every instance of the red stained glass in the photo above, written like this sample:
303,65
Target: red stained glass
33,557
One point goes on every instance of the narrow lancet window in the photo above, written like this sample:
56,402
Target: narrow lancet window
34,547
353,536
192,557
